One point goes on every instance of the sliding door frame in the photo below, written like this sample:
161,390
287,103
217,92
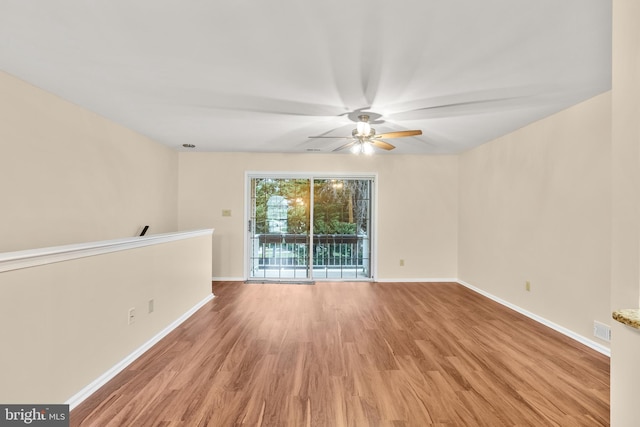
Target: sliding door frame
312,176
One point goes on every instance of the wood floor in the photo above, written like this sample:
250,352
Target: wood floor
356,354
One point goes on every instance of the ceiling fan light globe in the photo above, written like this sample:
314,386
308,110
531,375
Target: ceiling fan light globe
367,149
363,128
356,149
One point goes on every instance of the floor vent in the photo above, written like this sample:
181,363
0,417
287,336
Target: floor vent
602,331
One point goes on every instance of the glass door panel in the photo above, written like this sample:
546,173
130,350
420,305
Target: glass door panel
279,229
341,224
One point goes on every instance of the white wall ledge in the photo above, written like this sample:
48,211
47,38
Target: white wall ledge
35,257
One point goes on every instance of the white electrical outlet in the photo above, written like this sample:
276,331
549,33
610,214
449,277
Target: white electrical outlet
151,306
131,316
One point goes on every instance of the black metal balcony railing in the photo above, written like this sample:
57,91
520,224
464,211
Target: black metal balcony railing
329,250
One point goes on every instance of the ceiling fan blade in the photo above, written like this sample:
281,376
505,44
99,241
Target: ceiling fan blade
382,144
226,101
399,134
457,108
334,137
347,145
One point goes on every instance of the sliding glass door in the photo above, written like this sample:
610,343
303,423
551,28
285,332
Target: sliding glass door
307,228
341,226
279,228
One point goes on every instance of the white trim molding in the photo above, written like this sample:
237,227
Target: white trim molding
569,333
228,279
34,257
91,388
414,280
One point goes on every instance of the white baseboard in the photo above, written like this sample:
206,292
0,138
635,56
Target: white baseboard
583,340
228,279
414,280
87,391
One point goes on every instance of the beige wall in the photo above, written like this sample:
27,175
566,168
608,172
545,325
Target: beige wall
70,176
417,209
625,248
63,325
534,206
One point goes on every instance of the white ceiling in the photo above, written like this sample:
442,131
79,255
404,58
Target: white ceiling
262,76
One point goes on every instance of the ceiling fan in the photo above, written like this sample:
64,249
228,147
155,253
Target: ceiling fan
364,138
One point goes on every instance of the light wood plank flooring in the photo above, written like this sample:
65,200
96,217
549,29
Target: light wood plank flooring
356,354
